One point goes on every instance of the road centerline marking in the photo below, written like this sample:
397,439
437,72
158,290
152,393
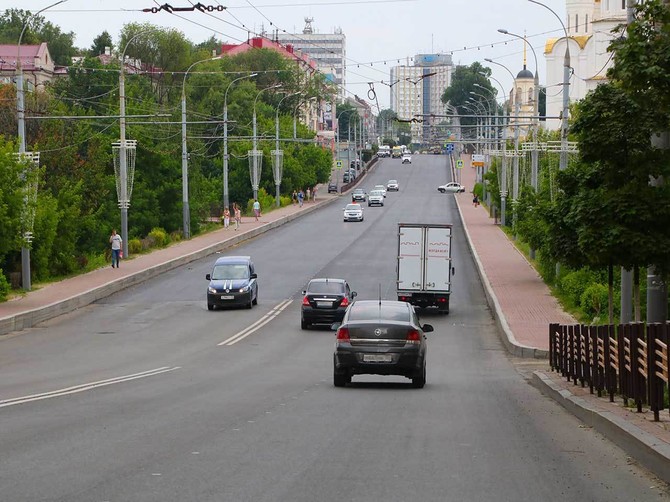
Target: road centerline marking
252,328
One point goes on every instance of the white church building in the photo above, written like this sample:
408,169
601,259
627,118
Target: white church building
589,24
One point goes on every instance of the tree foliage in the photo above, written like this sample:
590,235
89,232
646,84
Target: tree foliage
77,200
38,30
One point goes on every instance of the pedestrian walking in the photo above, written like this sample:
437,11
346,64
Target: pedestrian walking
475,200
308,195
314,193
257,209
294,197
226,217
301,197
116,241
238,216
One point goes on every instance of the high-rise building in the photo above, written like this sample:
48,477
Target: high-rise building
328,50
589,24
416,92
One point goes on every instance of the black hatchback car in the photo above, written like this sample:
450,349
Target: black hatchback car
325,301
233,282
380,337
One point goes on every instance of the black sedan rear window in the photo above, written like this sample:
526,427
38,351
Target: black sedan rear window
371,311
331,288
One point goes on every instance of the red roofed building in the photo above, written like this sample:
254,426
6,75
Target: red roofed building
303,60
38,67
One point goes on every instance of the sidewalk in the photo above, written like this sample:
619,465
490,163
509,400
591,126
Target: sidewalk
523,307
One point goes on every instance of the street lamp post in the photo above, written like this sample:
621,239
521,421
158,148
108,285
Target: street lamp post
278,154
563,164
337,131
515,163
536,112
255,154
26,281
186,213
123,193
226,201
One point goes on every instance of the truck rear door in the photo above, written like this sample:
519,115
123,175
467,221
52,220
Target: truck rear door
410,262
438,259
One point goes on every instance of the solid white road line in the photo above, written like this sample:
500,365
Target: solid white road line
84,387
274,312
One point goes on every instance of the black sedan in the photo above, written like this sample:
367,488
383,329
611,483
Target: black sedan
325,301
380,337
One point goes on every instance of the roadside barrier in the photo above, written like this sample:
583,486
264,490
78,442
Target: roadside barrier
628,359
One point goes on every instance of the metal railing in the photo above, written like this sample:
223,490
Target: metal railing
628,359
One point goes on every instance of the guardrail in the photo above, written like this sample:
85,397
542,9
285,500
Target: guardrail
364,170
628,359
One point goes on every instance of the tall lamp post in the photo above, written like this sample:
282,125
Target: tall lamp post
277,153
503,190
563,164
536,111
21,116
123,187
226,201
337,130
256,156
186,213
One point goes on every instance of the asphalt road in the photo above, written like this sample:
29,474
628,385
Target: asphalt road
147,396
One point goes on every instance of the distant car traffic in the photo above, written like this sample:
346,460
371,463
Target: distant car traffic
353,212
358,195
325,301
332,187
375,198
232,282
382,188
392,186
406,158
380,337
451,187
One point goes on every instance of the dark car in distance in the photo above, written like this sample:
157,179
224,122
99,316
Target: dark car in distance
358,195
332,187
380,337
325,301
232,282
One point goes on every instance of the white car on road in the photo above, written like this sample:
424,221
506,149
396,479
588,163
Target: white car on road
353,212
451,187
406,158
392,186
376,198
381,188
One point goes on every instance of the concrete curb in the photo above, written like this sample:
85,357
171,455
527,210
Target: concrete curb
644,447
35,316
506,334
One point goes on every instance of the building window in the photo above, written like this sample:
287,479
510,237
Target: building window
576,23
530,95
518,98
586,23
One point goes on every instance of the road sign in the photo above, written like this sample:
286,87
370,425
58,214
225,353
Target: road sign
459,164
339,164
478,160
450,147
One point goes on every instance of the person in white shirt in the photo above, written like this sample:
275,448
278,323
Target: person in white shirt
116,241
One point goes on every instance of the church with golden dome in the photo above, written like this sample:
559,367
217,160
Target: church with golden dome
589,25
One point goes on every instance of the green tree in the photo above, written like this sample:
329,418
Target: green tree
463,81
100,43
61,45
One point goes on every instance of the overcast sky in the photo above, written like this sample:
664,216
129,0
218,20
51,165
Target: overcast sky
376,30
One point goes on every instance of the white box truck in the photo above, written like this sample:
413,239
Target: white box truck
424,265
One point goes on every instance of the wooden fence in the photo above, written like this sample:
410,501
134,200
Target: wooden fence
628,359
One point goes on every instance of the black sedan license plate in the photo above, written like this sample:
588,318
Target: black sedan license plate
227,297
377,358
